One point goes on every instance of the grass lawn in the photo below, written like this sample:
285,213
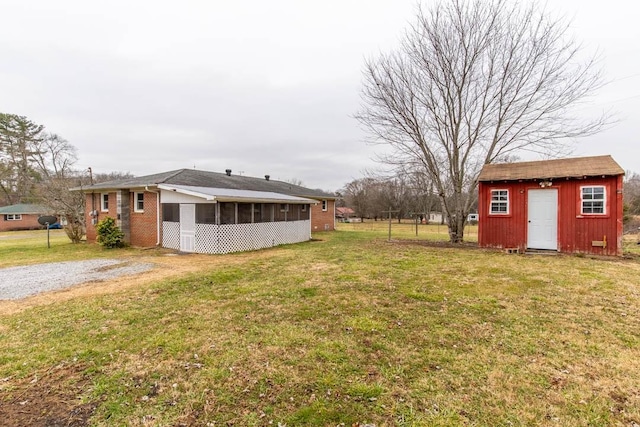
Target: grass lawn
344,330
30,247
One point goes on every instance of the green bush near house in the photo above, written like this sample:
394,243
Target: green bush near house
109,234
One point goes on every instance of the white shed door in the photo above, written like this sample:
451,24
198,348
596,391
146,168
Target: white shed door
542,230
187,227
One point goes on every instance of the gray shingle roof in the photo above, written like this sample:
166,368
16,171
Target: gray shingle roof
576,167
24,208
200,178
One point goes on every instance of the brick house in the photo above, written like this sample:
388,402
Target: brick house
208,212
565,205
21,217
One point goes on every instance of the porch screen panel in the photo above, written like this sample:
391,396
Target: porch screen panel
281,211
171,212
257,212
294,213
244,213
227,213
267,212
206,213
304,212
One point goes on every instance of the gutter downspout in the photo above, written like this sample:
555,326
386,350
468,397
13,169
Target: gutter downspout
157,193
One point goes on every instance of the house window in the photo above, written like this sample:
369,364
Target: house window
499,202
284,207
324,206
13,217
104,202
304,208
592,200
139,202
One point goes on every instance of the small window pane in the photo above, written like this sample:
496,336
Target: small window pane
139,203
593,200
499,202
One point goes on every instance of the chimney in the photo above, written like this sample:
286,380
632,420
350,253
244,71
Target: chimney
267,177
228,171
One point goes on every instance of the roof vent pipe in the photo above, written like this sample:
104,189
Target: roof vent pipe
228,171
267,177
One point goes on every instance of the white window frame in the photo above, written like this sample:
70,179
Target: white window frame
592,200
103,207
136,208
325,205
499,201
13,217
284,207
304,208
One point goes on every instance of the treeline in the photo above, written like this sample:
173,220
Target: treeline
407,195
38,167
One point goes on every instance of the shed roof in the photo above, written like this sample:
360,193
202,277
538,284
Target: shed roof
229,195
576,167
200,178
23,208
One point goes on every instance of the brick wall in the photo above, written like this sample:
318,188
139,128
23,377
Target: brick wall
28,222
142,224
321,219
93,201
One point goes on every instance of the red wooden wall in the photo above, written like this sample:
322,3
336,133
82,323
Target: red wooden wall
576,232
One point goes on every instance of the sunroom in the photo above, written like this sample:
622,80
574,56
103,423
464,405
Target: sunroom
223,220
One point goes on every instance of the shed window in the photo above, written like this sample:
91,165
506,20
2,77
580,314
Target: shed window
499,202
592,200
171,212
139,202
324,206
13,217
205,213
104,202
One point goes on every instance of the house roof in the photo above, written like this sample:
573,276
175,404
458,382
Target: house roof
23,208
229,195
577,167
344,211
206,179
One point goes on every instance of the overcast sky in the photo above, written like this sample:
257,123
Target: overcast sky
260,87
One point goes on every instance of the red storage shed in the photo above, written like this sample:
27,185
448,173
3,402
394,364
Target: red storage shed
566,205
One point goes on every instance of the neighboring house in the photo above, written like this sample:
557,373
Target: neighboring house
208,212
21,217
436,218
344,214
566,205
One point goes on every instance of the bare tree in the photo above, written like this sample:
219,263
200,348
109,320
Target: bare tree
474,81
54,158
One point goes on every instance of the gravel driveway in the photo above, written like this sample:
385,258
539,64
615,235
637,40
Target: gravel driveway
20,282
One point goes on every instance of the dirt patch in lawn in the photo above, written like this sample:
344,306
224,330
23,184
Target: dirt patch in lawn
52,398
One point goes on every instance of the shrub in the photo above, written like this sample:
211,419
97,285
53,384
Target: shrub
109,234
